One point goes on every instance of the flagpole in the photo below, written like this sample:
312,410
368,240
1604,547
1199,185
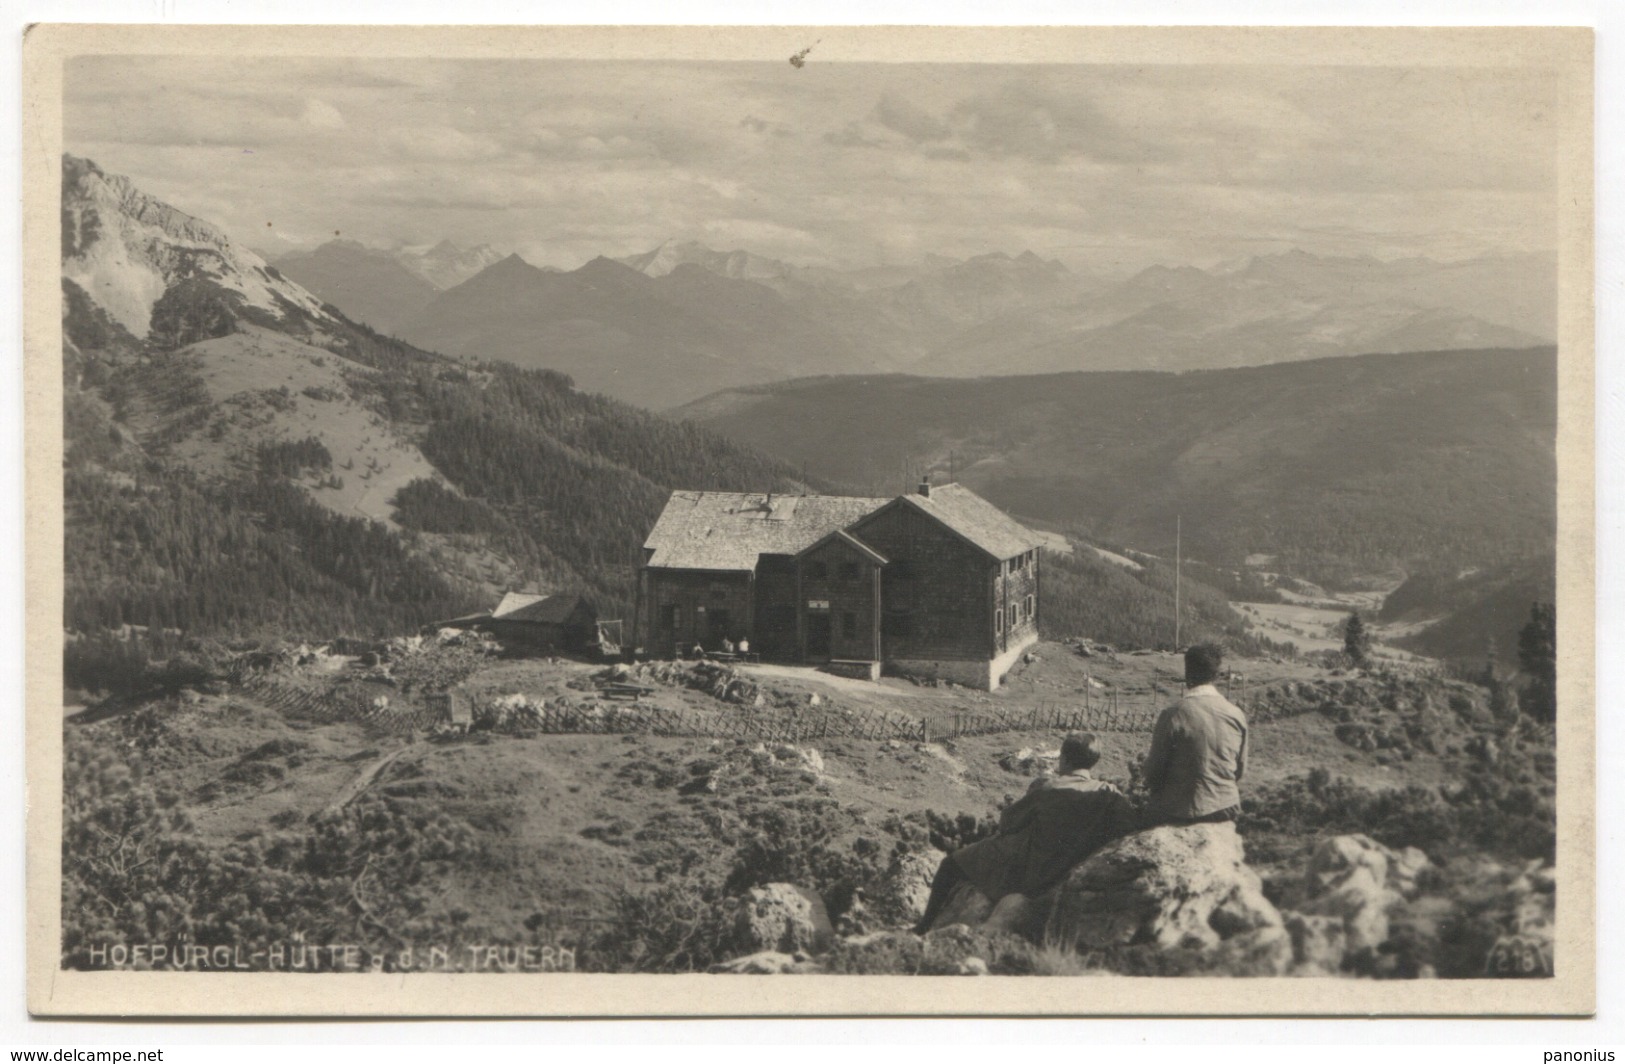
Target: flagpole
1177,560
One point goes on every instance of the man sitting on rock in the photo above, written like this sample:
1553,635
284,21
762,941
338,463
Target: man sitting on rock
1061,820
1198,750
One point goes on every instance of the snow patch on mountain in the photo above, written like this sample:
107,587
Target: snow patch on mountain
126,249
447,265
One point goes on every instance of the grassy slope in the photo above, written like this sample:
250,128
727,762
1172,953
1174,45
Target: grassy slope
569,822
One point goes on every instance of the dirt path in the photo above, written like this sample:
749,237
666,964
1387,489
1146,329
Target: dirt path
363,780
886,687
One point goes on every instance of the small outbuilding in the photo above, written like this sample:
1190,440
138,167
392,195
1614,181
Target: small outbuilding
537,623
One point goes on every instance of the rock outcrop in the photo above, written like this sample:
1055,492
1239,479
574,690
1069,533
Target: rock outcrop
1168,886
783,918
1167,900
907,886
129,250
1340,906
965,905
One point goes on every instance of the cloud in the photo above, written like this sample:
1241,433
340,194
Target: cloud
439,144
756,232
857,135
1031,120
764,127
915,123
839,163
321,114
1020,118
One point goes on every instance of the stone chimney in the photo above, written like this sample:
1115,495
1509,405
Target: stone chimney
925,487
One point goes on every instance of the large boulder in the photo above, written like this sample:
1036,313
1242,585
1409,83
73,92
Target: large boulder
783,918
1318,943
1354,880
1532,898
1017,914
965,905
906,887
1167,886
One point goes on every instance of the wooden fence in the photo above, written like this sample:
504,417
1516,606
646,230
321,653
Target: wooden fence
326,705
384,713
1116,715
767,726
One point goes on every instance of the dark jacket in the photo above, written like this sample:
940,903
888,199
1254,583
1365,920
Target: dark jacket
1198,755
1059,822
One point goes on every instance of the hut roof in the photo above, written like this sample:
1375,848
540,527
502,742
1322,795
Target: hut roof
728,531
977,520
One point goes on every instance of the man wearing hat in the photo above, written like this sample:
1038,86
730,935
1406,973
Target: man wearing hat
1198,750
1061,820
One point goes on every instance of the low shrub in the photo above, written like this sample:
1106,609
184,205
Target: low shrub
1505,805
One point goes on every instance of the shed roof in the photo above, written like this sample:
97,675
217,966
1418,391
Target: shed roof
978,520
728,531
525,606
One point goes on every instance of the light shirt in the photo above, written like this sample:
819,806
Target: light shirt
1198,756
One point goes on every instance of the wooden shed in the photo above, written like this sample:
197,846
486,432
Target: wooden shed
537,623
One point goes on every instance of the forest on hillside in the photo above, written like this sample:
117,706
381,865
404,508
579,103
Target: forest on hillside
1338,467
561,483
1089,597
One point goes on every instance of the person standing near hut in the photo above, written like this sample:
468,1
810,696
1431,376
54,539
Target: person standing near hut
1198,750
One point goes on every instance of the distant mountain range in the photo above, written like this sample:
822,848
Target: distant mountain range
654,341
694,319
1338,465
447,265
370,285
383,288
243,460
1275,308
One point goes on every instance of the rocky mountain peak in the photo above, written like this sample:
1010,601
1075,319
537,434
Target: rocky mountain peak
128,250
85,186
448,264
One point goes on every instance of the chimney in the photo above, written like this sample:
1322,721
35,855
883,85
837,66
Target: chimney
925,487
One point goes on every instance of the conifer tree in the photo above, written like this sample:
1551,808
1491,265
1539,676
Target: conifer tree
1537,655
1356,640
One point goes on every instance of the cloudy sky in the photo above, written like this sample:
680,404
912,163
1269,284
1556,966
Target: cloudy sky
843,164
